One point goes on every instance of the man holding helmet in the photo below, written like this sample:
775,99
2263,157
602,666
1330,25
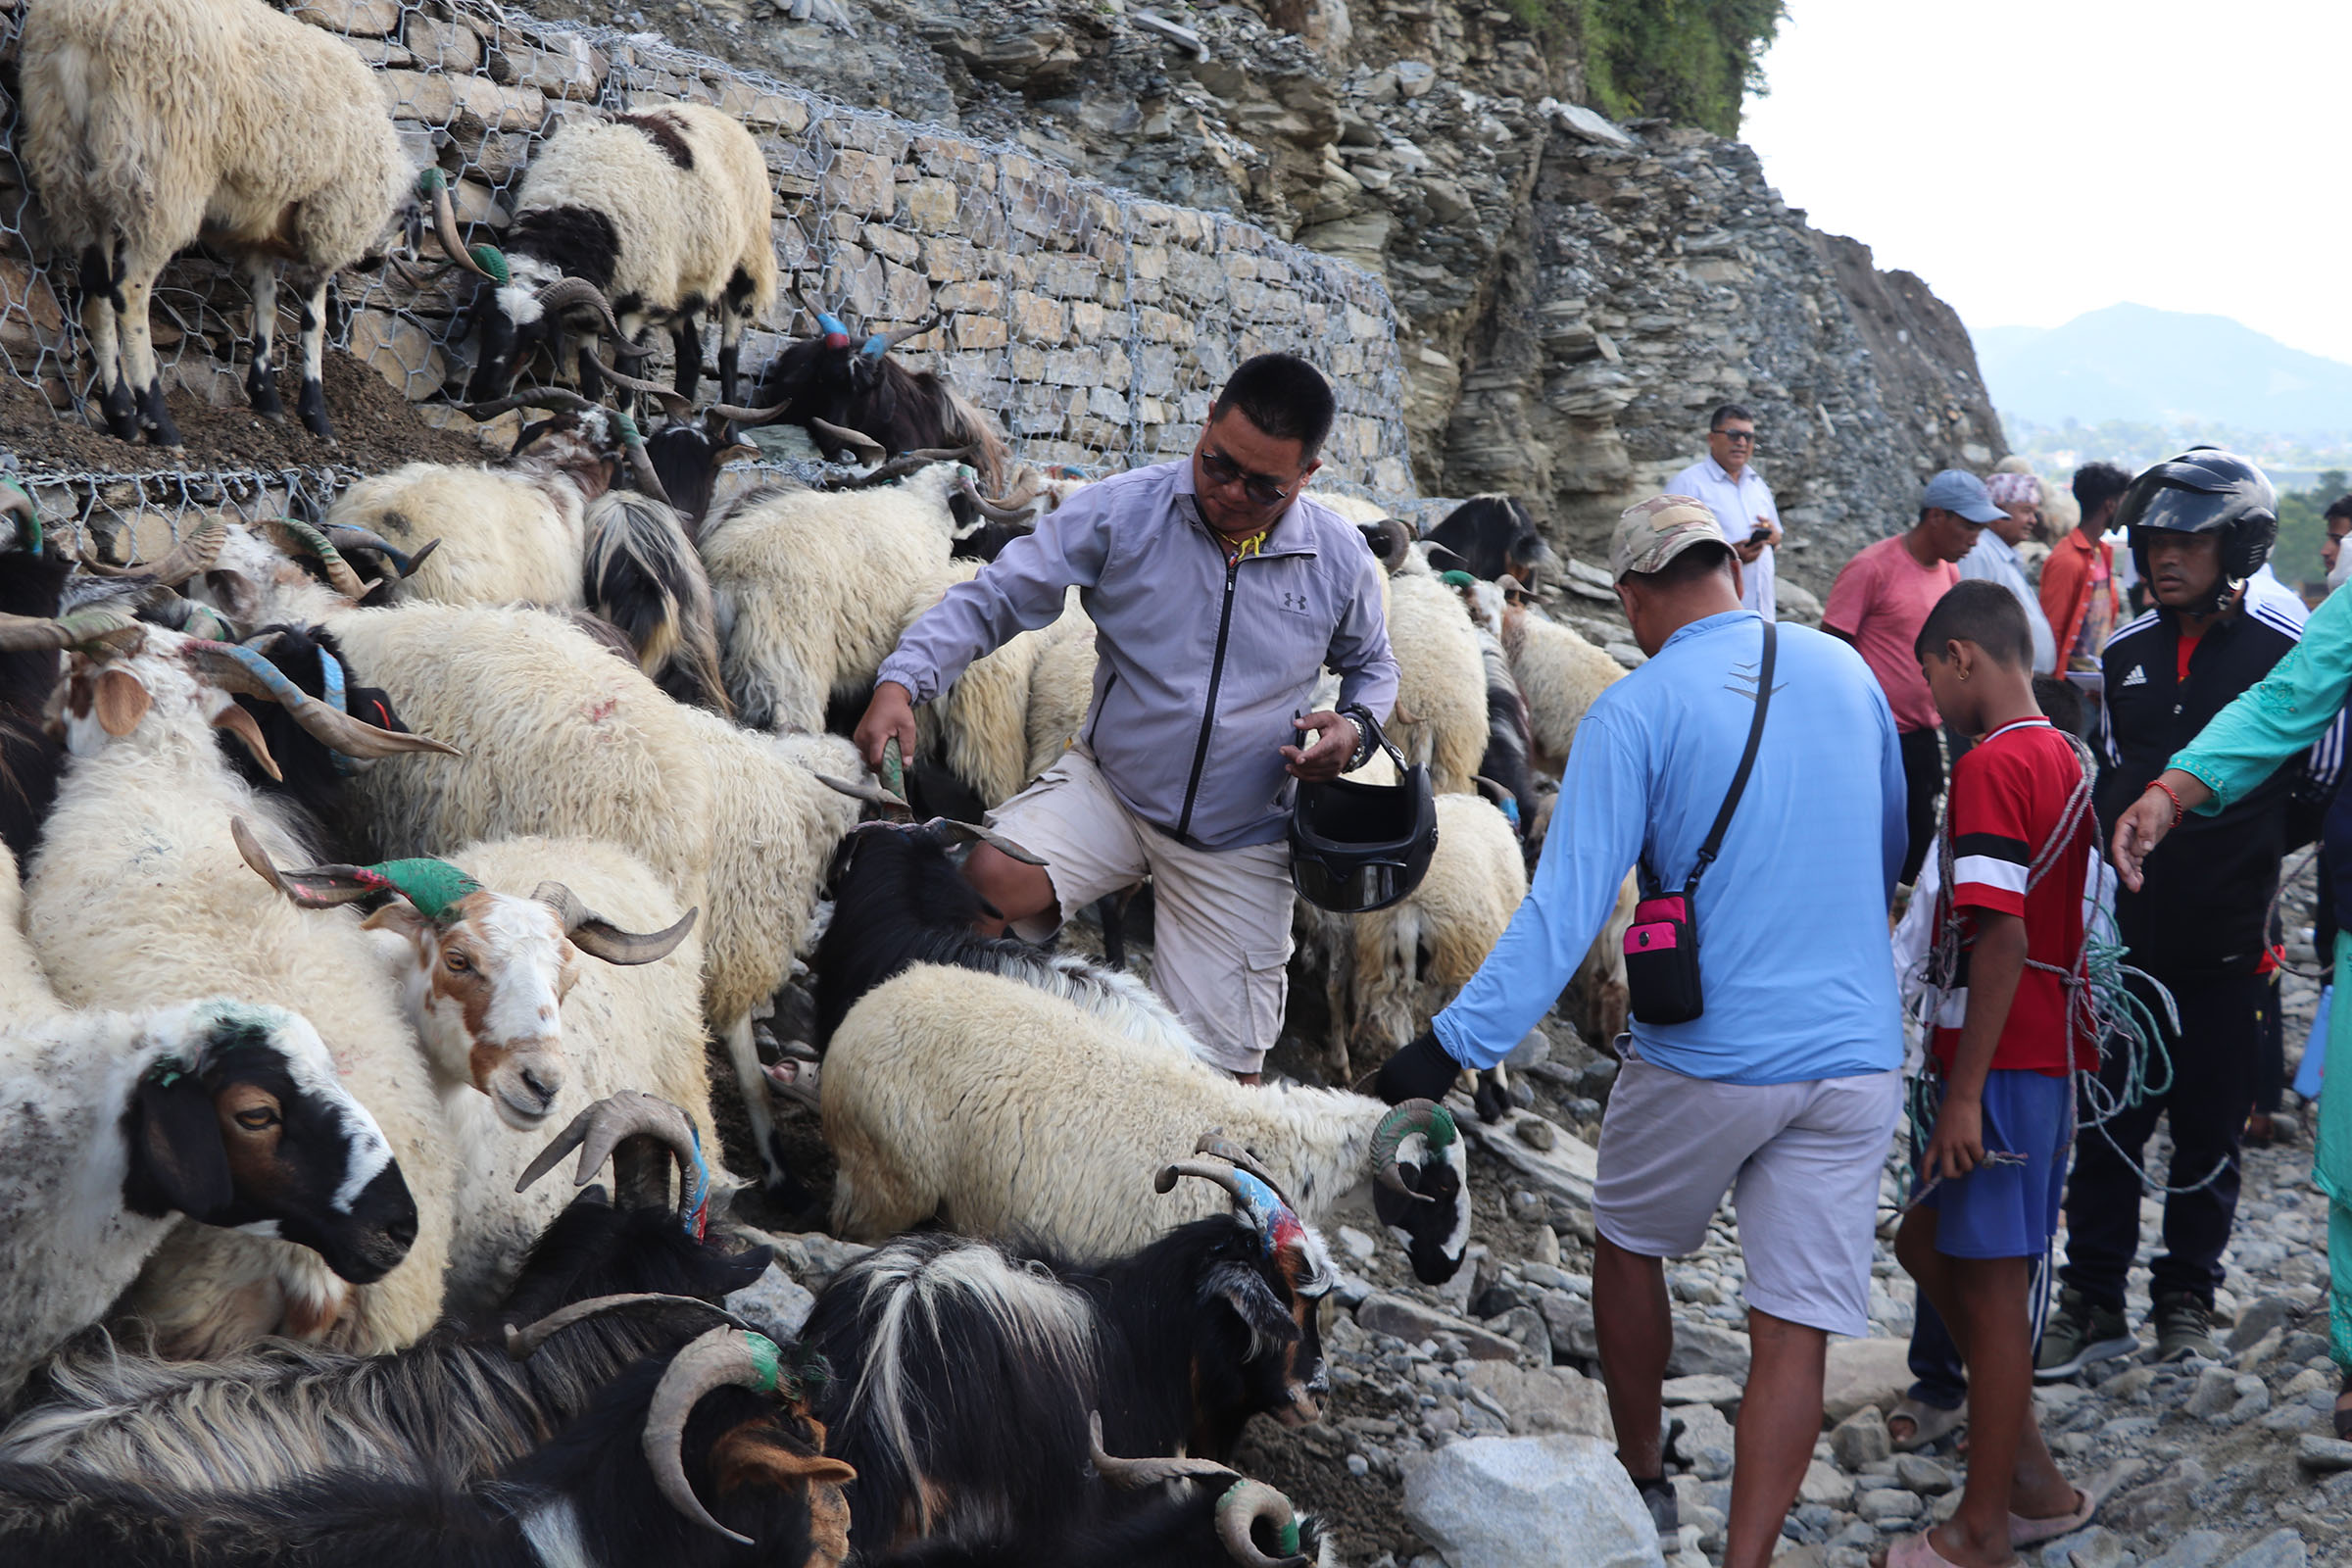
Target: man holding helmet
2199,526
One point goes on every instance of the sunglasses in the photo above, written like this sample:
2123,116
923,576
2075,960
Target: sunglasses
1749,436
1263,489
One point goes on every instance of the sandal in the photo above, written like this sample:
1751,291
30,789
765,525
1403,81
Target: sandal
1929,1423
2024,1532
1917,1552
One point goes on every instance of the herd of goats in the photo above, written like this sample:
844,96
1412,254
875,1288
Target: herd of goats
361,852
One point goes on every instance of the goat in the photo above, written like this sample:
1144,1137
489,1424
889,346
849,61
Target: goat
136,898
827,385
226,1112
720,1419
663,213
1440,691
491,984
1496,537
151,123
688,459
898,900
978,727
1559,673
939,1345
942,1083
33,584
641,573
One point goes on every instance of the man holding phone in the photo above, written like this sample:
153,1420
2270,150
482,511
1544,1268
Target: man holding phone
1725,479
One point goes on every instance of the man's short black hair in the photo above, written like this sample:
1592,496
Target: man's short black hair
1727,411
2341,507
1282,395
1699,561
2094,482
1974,611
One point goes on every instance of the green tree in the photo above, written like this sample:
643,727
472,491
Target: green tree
2295,558
1691,61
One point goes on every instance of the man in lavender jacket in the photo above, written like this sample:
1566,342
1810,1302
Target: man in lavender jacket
1218,592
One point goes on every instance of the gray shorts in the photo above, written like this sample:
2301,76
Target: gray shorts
1221,919
1800,1160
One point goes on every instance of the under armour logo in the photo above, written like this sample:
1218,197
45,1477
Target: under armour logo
2137,677
1293,600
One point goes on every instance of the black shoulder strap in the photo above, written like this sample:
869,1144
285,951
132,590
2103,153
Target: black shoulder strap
1747,764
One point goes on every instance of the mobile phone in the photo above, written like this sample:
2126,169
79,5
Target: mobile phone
1763,532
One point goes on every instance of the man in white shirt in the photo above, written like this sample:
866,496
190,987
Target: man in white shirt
1741,502
1994,558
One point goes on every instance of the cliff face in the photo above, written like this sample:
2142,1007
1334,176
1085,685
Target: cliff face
1573,296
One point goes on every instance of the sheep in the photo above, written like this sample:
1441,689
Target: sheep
979,728
1496,537
812,590
641,573
940,1345
1441,711
722,1419
117,1124
941,1084
830,389
490,980
1600,977
136,898
148,123
1061,692
663,213
1559,673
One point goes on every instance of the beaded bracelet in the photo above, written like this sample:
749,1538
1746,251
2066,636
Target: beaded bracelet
2179,811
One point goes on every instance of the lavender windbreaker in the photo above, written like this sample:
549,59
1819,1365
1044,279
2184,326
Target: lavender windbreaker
1201,663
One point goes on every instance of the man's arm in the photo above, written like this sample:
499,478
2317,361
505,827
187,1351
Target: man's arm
1995,964
2060,572
1848,606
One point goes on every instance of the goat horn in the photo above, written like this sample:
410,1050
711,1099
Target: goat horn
600,1131
434,887
1026,491
872,794
1491,789
244,669
445,229
632,440
900,466
720,1358
1215,1144
185,560
677,407
1243,1505
537,397
301,539
30,633
1390,539
523,1342
348,539
600,938
989,508
891,340
15,501
734,414
566,292
972,833
1218,1171
1133,1474
858,441
1424,1116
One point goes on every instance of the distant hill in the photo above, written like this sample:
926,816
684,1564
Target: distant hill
2129,361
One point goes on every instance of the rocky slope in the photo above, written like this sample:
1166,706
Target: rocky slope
1574,296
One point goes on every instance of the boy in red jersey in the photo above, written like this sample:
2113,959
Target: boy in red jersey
2008,1037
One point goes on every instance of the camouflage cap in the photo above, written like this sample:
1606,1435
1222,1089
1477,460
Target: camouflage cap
1651,533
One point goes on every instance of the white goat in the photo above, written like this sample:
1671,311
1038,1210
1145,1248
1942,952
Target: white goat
119,1125
150,121
1006,1112
137,898
1559,673
1441,711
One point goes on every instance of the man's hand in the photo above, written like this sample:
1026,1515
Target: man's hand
889,716
1957,1145
1752,549
1318,764
1422,1070
2143,826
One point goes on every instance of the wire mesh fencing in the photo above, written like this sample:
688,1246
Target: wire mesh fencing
1094,324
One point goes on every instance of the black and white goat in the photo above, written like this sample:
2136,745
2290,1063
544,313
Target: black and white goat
1495,537
835,382
940,1346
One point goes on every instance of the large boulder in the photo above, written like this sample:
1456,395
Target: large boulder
1864,1372
1529,1503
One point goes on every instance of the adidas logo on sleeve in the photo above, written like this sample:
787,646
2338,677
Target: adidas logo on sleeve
2137,677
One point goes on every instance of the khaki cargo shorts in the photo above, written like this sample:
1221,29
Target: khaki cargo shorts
1221,918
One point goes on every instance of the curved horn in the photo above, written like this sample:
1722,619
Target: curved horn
537,397
1214,1143
891,340
1390,539
872,794
600,938
720,1358
445,229
1243,1505
26,633
990,509
315,887
244,669
566,292
1488,787
1424,1116
1131,1475
600,1131
1217,1171
947,827
858,441
522,1341
348,539
17,501
301,539
677,407
185,560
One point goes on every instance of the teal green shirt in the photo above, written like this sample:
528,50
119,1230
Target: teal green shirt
2290,710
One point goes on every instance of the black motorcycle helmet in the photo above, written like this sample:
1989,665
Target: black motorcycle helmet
1356,847
2204,490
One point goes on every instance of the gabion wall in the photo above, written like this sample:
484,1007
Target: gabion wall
1096,325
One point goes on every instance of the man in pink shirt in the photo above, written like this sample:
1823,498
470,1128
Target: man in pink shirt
1880,602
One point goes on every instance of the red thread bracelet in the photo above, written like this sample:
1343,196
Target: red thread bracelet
2179,811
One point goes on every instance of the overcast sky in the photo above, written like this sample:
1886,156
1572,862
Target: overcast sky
2036,159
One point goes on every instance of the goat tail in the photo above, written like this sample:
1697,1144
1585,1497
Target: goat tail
643,575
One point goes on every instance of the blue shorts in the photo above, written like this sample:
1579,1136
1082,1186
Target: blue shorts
2008,1210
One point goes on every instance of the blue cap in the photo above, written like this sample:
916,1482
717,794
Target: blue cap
1958,490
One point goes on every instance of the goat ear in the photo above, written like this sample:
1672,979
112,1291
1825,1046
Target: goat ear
1253,1301
123,701
755,1454
177,1163
403,917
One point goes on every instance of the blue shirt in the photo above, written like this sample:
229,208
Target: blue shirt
1792,914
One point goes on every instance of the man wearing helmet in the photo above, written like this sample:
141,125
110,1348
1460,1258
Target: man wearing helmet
2199,526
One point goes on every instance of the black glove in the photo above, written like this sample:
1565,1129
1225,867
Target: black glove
1422,1070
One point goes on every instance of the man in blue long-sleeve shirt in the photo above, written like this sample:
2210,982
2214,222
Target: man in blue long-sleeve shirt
1786,1088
